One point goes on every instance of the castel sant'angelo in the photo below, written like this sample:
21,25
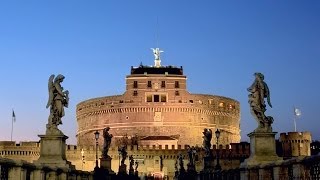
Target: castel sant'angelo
157,106
162,118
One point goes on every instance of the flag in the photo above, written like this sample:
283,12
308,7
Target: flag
13,116
297,112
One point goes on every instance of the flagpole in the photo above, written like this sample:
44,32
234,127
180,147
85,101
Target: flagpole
295,124
294,119
12,124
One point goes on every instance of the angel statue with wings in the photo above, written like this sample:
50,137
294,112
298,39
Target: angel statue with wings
58,99
156,53
258,92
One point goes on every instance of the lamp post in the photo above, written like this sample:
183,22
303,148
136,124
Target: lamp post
82,157
218,167
96,135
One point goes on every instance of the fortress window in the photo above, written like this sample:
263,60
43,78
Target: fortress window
177,93
156,98
135,84
149,84
191,101
163,84
135,93
210,101
163,98
149,98
176,84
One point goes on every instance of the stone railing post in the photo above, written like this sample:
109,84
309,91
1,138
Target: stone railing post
51,175
276,172
244,173
299,171
17,173
37,174
62,176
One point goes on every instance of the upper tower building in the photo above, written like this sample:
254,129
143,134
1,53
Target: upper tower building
156,103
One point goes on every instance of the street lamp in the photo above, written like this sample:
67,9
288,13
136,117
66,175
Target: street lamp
82,157
96,135
218,167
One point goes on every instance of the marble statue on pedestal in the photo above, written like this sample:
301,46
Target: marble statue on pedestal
53,143
192,155
258,92
262,139
124,154
207,136
58,99
107,142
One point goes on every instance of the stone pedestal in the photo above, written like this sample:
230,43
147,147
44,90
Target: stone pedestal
104,172
105,163
208,164
122,169
53,151
131,172
191,168
262,149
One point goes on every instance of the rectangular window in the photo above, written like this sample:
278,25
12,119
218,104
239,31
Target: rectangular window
176,84
163,98
163,84
135,84
149,84
149,98
156,98
135,93
210,101
177,93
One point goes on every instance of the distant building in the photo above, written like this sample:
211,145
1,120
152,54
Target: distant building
295,144
315,147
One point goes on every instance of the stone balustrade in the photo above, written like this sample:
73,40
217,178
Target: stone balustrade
23,170
303,167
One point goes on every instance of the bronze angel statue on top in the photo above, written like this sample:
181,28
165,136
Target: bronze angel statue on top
58,99
259,91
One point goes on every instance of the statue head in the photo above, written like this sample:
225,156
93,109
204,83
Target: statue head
59,78
259,75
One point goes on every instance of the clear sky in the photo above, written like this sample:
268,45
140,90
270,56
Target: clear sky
220,44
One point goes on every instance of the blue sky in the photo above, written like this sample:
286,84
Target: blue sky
220,44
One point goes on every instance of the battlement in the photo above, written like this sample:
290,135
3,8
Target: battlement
30,144
295,137
233,150
295,144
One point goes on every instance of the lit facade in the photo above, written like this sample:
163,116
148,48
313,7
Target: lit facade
157,103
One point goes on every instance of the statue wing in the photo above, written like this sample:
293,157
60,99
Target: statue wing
267,93
50,89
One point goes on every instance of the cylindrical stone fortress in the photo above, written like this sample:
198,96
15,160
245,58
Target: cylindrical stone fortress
157,103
